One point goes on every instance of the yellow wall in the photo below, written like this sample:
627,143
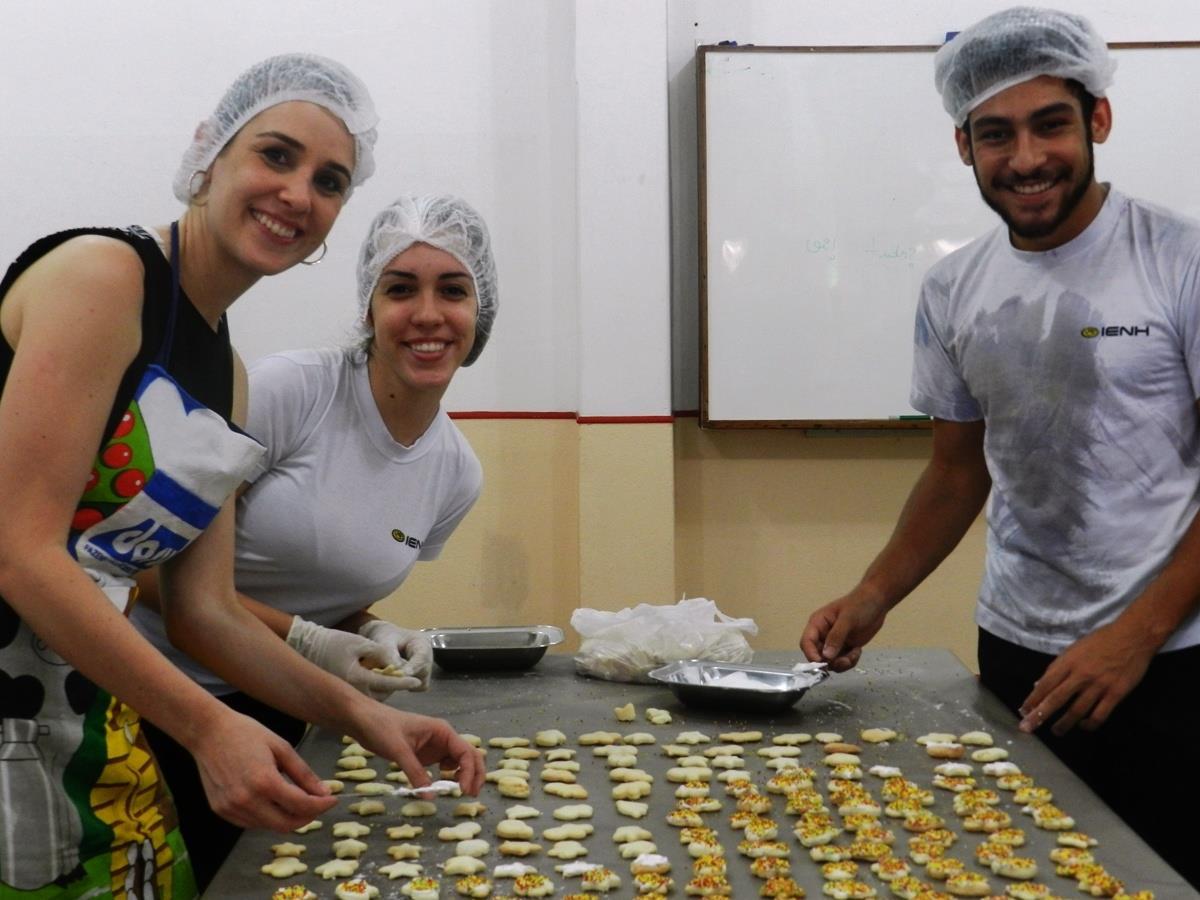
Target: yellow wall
766,523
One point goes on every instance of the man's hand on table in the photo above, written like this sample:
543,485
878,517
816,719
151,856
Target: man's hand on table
415,741
1088,680
837,632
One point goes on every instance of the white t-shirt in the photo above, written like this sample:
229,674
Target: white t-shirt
338,512
1084,363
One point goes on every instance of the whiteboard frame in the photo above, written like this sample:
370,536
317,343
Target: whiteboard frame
706,421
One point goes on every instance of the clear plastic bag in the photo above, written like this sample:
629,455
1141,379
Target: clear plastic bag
626,645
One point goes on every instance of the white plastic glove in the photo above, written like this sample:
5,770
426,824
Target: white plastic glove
412,646
350,657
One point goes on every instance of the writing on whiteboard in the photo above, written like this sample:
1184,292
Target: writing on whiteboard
896,252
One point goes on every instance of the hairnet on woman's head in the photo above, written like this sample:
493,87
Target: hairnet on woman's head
291,76
1013,46
441,221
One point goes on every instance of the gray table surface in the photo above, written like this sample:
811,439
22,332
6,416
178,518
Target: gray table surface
911,691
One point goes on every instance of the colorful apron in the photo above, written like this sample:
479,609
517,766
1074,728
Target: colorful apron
83,812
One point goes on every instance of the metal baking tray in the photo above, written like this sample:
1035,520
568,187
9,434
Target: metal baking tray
489,648
697,682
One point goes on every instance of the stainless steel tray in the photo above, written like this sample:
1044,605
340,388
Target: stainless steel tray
490,648
697,682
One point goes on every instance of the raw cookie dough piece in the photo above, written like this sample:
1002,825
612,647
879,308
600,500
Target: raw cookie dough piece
513,788
989,754
675,750
473,886
352,761
518,848
566,791
522,812
877,735
885,771
626,713
519,764
422,889
573,812
684,774
842,759
293,892
472,809
567,850
976,739
349,848
363,774
778,751
463,831
356,889
350,829
417,808
514,829
401,870
639,738
792,739
592,738
658,716
828,737
945,749
288,848
741,737
557,776
573,831
508,742
497,775
522,753
284,867
567,765
311,826
367,808
634,849
559,753
692,737
373,788
405,851
841,747
953,769
626,833
937,737
512,870
335,786
533,885
336,868
465,863
404,832
632,808
551,737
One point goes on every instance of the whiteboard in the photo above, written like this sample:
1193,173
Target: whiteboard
829,184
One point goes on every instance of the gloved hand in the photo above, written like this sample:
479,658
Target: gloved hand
412,645
350,657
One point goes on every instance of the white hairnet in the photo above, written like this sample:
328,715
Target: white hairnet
291,76
1013,46
441,221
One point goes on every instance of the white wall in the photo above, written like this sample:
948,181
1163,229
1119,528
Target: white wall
695,22
98,101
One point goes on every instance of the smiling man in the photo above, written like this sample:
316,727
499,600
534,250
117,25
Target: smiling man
1059,356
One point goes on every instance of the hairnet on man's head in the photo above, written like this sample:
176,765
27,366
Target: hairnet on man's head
1016,45
280,79
441,221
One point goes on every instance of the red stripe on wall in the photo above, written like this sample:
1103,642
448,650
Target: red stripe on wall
582,420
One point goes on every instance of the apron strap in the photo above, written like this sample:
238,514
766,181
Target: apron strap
164,349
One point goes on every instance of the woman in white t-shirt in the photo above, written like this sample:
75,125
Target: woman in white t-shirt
364,474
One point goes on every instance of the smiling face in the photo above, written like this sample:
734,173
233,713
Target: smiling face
276,188
1031,150
423,313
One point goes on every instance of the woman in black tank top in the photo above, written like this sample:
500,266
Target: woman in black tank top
117,379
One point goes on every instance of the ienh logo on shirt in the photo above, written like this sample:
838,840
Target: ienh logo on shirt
403,538
1092,331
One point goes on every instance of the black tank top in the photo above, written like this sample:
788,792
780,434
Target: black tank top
200,359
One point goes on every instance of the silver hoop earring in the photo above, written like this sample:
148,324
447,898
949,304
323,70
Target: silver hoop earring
313,262
193,189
